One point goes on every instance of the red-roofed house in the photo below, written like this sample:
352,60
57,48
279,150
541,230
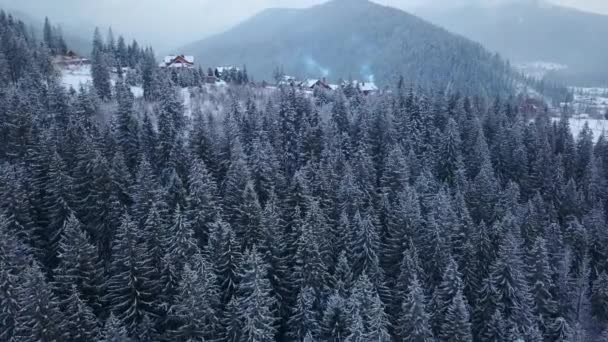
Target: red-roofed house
180,61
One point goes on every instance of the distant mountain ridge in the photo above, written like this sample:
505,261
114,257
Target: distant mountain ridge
358,39
533,30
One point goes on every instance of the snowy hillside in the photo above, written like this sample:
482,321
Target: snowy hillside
538,70
76,76
597,126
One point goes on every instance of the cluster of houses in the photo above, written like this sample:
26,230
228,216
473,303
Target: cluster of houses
366,88
220,73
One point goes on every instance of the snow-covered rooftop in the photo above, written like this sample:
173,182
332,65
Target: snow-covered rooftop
170,58
368,86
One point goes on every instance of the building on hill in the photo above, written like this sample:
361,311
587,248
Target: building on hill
311,84
71,59
287,80
367,88
180,61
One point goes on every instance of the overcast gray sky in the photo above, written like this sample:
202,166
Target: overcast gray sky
171,23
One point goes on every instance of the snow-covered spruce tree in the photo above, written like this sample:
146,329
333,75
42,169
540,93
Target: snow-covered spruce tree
255,301
181,242
39,317
304,321
509,287
542,286
79,267
365,302
226,256
100,70
9,303
196,304
130,286
81,324
114,331
457,326
443,300
599,298
414,322
335,322
127,127
203,206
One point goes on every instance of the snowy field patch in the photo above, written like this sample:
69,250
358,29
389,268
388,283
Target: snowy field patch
597,126
75,77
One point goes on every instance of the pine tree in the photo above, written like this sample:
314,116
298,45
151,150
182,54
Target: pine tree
542,283
79,266
196,303
127,128
203,202
100,68
560,330
443,299
181,241
304,321
414,323
39,317
227,257
9,303
255,301
130,287
449,153
248,218
114,331
334,324
456,326
511,291
364,244
81,323
366,302
599,298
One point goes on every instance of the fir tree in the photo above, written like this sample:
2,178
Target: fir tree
78,267
414,323
39,318
196,303
255,300
81,323
130,286
114,331
100,68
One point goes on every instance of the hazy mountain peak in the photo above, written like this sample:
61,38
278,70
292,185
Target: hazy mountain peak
350,38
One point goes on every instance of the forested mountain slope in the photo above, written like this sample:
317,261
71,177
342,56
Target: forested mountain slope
359,39
533,30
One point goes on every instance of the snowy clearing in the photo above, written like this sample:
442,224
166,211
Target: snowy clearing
75,77
597,126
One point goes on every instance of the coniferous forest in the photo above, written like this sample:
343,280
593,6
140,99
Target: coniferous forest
274,215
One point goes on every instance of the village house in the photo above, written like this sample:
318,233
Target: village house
367,88
287,80
180,61
312,84
71,59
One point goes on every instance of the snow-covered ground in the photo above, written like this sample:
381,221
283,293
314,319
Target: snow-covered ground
74,77
539,69
597,126
592,102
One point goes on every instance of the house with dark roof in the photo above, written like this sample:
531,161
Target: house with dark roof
180,61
